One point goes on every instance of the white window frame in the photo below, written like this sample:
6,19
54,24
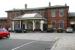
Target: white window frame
61,12
53,12
62,21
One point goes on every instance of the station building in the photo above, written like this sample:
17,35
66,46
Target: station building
42,18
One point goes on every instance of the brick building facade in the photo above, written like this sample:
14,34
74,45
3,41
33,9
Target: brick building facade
3,22
60,16
56,16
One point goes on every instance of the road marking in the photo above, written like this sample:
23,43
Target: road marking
22,45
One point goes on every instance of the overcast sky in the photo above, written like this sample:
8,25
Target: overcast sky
19,4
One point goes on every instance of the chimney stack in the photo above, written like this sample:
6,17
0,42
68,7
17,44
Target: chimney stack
25,6
49,4
65,4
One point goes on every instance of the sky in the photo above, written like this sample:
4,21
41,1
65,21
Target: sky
20,4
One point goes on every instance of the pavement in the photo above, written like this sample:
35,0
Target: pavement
41,36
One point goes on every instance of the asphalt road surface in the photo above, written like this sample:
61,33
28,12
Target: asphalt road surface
22,44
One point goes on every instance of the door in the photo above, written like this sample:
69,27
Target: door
44,27
37,26
23,26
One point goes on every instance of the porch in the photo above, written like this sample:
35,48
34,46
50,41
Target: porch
30,22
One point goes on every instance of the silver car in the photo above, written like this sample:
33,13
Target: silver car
69,30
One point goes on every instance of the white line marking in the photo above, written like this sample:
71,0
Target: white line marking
22,45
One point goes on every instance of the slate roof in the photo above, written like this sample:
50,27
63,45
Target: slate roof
56,6
29,16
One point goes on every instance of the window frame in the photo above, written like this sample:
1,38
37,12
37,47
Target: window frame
53,12
53,24
61,24
61,12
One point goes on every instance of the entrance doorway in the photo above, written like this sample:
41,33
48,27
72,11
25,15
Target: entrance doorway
37,26
44,27
23,26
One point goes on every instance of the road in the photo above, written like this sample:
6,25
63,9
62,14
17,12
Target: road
31,41
23,44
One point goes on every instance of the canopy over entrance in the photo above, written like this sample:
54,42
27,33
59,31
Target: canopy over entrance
30,21
29,16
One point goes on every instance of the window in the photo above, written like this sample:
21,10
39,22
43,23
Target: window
53,12
54,24
29,25
61,12
17,13
17,25
62,24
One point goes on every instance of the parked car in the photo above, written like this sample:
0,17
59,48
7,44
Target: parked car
37,29
50,30
69,30
60,30
4,33
20,30
10,30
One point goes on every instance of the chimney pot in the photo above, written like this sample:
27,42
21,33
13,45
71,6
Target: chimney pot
25,6
49,4
65,4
